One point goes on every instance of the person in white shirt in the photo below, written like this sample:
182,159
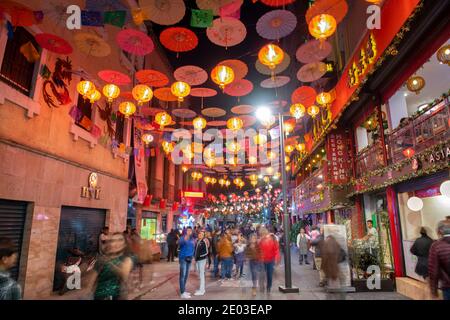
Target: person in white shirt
372,238
302,245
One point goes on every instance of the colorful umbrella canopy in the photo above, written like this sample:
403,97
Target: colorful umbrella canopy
186,123
304,95
53,43
240,68
226,32
313,51
192,75
135,42
248,120
243,109
150,111
276,24
213,5
214,112
178,39
184,113
164,94
311,72
114,77
228,10
277,3
239,88
92,44
275,82
152,78
217,123
336,8
163,12
203,92
278,69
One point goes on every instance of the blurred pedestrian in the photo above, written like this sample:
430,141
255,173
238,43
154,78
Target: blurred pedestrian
332,255
317,243
9,288
187,247
201,254
314,234
439,261
303,241
215,253
253,254
103,237
172,239
270,254
208,239
225,249
421,249
239,254
136,250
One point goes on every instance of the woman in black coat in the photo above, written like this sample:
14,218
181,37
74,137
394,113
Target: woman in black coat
421,249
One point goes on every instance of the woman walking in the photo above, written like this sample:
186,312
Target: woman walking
270,254
201,256
239,254
302,245
332,257
421,249
253,254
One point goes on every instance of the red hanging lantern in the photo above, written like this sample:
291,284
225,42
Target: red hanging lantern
148,200
162,203
408,152
175,206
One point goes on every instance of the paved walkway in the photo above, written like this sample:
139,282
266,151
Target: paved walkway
165,285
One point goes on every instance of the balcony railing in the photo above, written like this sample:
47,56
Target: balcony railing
369,159
314,183
422,132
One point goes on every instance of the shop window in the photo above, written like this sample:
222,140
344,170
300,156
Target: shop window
16,71
120,128
84,119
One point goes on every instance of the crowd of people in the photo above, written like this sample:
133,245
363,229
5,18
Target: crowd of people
225,253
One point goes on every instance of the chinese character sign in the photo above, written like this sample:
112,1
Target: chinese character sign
338,154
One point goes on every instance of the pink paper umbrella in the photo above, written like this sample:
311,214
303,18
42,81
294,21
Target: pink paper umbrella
53,43
275,82
230,9
239,88
192,75
135,42
226,32
203,92
313,51
114,77
276,24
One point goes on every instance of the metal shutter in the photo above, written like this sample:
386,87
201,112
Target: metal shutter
12,223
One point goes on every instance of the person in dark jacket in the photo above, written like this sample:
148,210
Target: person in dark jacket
439,261
215,253
201,255
317,243
421,249
172,238
9,288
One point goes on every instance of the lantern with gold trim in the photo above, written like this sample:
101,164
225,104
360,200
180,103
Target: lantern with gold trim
322,26
222,75
94,96
127,108
180,89
235,123
199,123
297,110
142,93
443,54
85,88
313,111
415,84
324,98
111,92
163,119
147,138
289,148
271,55
300,147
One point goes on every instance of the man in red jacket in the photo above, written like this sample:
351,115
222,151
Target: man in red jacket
439,261
270,254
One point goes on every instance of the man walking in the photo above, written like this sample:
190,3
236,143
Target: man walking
187,246
225,249
172,239
439,261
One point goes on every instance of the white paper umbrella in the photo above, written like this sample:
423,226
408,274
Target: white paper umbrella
163,12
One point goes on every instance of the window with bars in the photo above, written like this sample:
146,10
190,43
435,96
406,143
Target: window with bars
16,71
84,119
120,127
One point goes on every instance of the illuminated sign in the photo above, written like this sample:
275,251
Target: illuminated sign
360,64
192,194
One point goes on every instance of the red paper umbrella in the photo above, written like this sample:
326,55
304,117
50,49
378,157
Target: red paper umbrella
53,43
152,78
165,94
135,42
277,3
203,92
178,39
217,123
304,95
239,88
240,68
336,8
114,77
127,95
192,75
313,51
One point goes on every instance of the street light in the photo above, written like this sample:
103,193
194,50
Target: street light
263,114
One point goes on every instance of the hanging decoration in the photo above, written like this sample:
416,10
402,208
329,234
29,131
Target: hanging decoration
94,97
53,43
443,54
199,123
168,147
111,92
300,147
85,88
271,55
304,95
297,110
142,94
260,139
214,112
415,204
147,138
275,82
127,108
57,85
234,124
276,24
178,39
445,188
415,84
240,69
313,51
180,89
232,9
226,32
336,8
313,111
222,75
192,75
239,88
203,92
152,78
165,94
91,44
163,119
114,77
277,3
322,26
164,12
135,42
213,5
324,98
263,69
243,109
184,113
201,18
312,71
29,52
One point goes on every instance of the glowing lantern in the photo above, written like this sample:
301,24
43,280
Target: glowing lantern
266,179
210,162
184,169
233,146
199,123
222,182
168,148
235,123
213,181
260,139
287,159
443,55
163,118
180,89
313,111
208,153
227,183
301,147
207,179
322,26
289,148
271,55
253,177
415,84
323,98
85,88
147,138
127,108
271,155
252,160
237,181
408,152
94,96
297,110
288,168
222,75
254,183
111,92
241,184
142,93
415,204
288,128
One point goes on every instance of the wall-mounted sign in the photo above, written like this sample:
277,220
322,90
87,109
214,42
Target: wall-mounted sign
440,155
338,154
192,194
361,62
91,191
